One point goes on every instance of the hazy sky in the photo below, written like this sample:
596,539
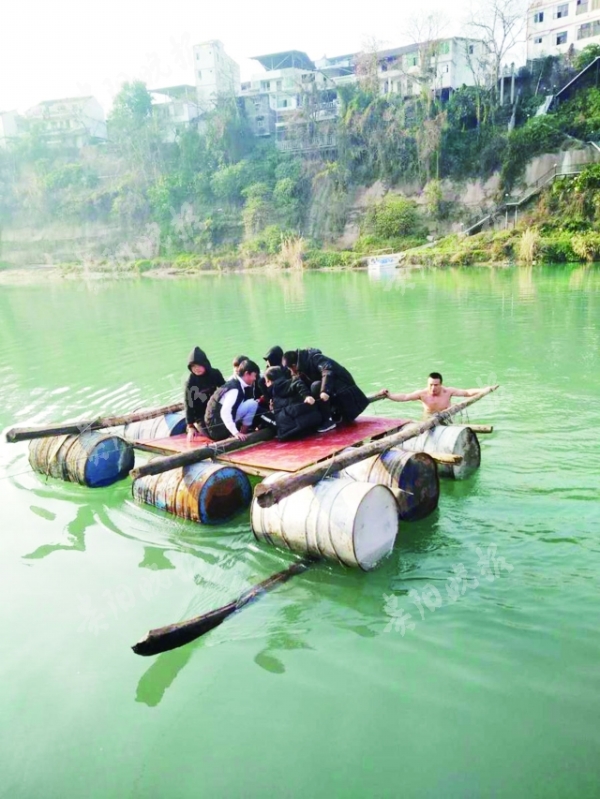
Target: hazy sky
66,48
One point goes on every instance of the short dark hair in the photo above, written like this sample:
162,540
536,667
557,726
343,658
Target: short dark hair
238,359
436,376
247,366
291,357
274,373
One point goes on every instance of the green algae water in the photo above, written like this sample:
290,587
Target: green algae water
467,665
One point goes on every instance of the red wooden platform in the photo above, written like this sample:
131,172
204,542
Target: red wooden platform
287,456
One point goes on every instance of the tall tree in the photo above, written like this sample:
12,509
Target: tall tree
500,24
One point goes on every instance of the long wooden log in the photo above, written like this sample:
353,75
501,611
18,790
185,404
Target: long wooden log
159,465
74,428
268,494
175,635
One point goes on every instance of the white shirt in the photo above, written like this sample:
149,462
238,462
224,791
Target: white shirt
227,402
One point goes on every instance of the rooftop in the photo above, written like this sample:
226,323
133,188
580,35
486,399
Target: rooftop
285,60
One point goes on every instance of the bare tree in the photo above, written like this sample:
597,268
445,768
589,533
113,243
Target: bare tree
500,25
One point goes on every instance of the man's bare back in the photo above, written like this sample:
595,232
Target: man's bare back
435,397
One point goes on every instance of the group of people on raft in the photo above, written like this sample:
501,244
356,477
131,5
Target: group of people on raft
300,392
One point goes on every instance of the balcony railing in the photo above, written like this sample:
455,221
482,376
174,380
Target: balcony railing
328,142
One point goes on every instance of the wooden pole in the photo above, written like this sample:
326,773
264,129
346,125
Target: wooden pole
75,428
268,494
481,428
175,635
159,465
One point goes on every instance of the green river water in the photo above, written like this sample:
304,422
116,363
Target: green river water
316,690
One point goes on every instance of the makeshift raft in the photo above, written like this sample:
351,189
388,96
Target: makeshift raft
337,495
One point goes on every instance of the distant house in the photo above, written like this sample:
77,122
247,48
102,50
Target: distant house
217,74
176,108
554,27
290,88
70,122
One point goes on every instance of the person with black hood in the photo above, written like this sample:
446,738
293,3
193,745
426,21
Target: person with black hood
294,409
330,382
201,384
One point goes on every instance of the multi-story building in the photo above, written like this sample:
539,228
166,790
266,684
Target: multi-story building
71,122
217,74
291,99
441,66
554,27
176,108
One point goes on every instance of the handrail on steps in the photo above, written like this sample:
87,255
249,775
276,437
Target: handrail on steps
543,180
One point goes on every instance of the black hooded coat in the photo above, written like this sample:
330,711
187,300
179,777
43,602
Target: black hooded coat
293,416
347,399
200,388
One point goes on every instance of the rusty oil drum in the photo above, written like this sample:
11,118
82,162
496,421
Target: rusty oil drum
208,493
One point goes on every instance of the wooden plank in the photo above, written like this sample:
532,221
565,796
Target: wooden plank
290,456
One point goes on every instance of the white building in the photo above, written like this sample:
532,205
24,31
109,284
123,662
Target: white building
290,85
9,126
552,28
216,73
73,122
176,108
441,66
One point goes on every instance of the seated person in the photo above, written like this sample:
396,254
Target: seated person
230,413
202,382
330,382
294,409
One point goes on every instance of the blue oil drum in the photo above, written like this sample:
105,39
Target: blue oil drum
93,459
171,424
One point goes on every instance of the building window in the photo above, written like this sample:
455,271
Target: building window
539,17
561,38
582,7
584,31
199,75
471,49
562,11
537,40
595,5
444,48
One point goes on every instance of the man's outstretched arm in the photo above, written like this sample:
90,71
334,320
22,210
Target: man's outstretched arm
466,392
415,395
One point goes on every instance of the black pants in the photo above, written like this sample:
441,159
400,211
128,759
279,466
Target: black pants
324,408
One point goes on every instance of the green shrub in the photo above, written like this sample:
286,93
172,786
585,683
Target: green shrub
326,259
369,243
393,217
587,245
557,249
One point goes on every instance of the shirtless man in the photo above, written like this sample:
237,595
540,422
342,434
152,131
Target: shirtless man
435,397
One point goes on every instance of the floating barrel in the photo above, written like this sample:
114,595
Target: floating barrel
209,493
93,459
342,520
451,439
170,424
413,474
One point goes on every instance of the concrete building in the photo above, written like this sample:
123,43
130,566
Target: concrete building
70,122
300,99
176,108
441,66
216,73
554,27
9,126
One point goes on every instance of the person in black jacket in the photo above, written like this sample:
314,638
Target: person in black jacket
329,381
295,410
199,387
